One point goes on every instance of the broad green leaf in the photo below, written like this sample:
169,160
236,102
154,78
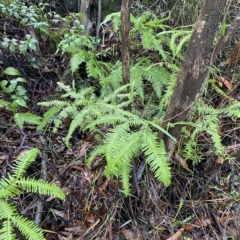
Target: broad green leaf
21,102
5,88
11,71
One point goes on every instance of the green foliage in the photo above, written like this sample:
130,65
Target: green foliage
206,120
126,130
12,186
154,34
11,86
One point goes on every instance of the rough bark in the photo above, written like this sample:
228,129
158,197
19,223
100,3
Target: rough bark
85,10
125,28
194,70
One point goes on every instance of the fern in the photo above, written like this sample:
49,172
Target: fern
21,118
12,186
156,157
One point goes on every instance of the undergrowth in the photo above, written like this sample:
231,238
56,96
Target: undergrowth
12,186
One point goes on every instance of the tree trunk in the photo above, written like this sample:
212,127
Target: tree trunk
194,70
125,28
85,10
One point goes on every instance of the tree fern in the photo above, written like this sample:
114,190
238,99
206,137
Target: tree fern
12,186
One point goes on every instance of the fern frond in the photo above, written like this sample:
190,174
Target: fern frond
156,157
159,77
7,209
98,151
48,116
125,173
41,187
64,87
7,230
116,136
76,122
112,81
77,59
232,109
110,119
21,118
168,93
58,103
27,228
23,162
136,76
83,94
115,19
183,41
128,151
8,187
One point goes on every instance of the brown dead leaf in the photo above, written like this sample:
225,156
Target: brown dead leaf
76,230
219,160
226,83
177,235
130,235
90,218
181,160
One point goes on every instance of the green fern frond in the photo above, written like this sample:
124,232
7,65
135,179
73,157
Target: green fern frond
48,116
168,93
156,157
65,88
27,228
94,68
23,162
182,42
77,59
121,147
232,109
13,185
21,118
125,173
7,230
109,119
116,135
76,122
113,81
115,18
177,47
8,187
98,151
7,209
136,76
83,94
159,77
41,187
58,103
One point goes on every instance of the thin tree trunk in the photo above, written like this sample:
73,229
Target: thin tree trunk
194,71
125,28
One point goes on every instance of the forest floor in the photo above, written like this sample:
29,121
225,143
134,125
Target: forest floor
202,202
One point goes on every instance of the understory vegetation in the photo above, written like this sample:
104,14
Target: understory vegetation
62,94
